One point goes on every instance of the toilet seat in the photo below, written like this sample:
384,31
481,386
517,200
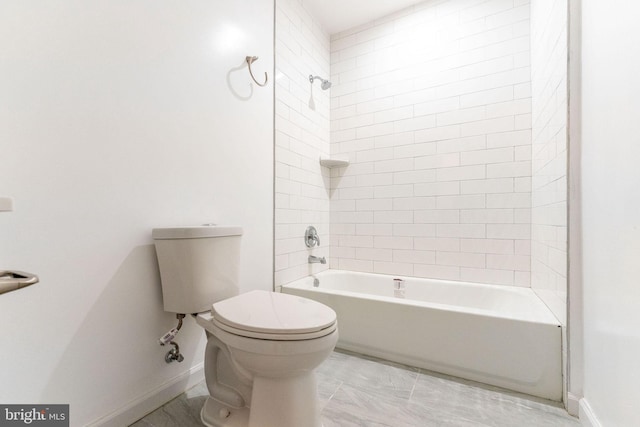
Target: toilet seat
273,316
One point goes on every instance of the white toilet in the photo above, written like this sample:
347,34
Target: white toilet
262,347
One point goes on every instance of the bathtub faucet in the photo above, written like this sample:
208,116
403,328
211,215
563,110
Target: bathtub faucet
315,260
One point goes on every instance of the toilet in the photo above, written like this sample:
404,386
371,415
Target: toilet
262,347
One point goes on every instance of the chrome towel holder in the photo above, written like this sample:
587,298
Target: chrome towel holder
250,60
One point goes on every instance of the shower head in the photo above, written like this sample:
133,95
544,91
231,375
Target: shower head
326,84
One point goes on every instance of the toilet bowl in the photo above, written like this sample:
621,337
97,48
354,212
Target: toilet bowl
262,347
275,349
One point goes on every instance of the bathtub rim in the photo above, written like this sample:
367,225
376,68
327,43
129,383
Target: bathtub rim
305,283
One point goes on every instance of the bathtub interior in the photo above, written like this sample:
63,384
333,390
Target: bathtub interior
483,299
492,334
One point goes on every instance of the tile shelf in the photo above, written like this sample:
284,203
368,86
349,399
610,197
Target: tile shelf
334,162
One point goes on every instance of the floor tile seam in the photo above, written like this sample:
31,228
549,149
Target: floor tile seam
333,394
415,382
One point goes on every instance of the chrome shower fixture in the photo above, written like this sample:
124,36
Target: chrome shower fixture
326,84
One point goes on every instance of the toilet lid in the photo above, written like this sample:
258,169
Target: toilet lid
273,313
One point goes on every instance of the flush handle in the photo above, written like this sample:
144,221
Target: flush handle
12,280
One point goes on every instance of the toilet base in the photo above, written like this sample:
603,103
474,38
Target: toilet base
214,414
285,402
296,405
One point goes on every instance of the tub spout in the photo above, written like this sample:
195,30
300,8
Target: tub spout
315,260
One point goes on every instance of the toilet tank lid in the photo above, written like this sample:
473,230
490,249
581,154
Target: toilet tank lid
196,232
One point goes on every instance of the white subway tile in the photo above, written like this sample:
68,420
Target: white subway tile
418,176
486,216
393,217
502,124
508,231
522,216
469,201
485,97
461,173
437,106
413,124
374,130
414,203
461,230
437,161
486,186
496,155
343,228
374,254
437,189
356,241
374,154
355,265
461,116
522,121
399,113
436,216
522,90
436,244
414,230
414,150
354,193
437,134
510,108
281,262
395,139
374,105
484,275
414,257
460,259
509,262
391,191
462,144
509,139
437,271
374,229
394,268
523,279
343,205
385,242
510,169
487,246
372,179
396,165
371,204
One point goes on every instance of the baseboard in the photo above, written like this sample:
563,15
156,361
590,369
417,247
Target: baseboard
573,404
587,417
151,400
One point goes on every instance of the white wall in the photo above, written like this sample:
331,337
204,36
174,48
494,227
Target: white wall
549,154
302,137
117,117
611,212
432,106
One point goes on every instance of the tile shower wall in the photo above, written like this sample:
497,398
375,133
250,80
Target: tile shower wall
432,106
302,137
549,153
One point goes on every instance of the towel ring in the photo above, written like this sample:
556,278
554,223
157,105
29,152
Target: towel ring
250,60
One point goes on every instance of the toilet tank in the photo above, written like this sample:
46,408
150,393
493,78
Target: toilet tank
198,266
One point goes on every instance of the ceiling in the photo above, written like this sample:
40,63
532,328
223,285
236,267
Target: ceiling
339,15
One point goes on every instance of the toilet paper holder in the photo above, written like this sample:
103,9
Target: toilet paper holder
10,280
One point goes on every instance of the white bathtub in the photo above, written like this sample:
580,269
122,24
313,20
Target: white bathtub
498,335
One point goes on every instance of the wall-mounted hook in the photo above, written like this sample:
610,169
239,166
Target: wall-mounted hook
250,60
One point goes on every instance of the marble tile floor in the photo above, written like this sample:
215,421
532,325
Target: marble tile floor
359,391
